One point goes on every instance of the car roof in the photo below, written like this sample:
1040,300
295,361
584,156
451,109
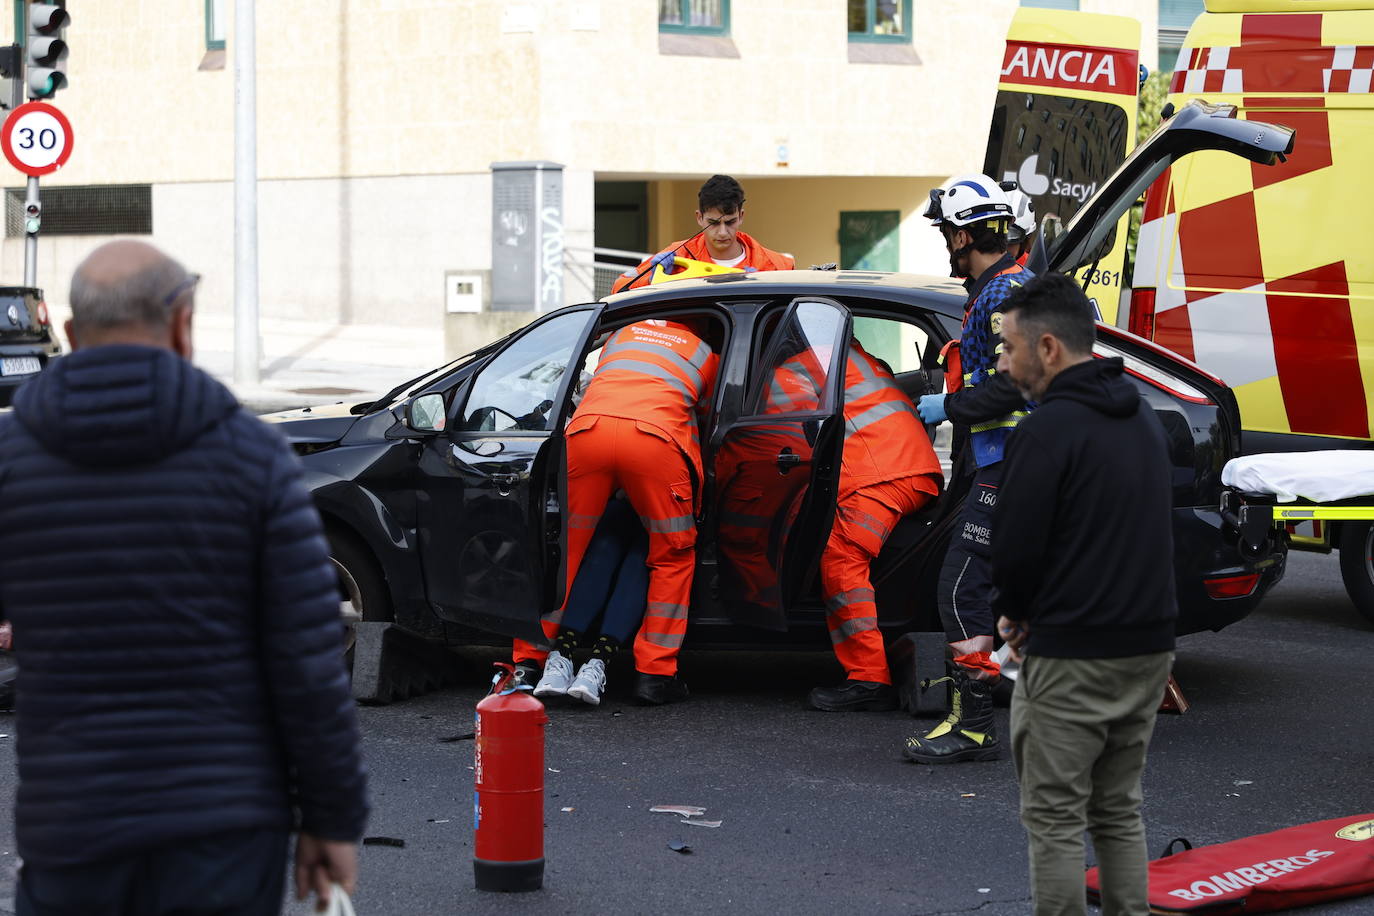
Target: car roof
938,293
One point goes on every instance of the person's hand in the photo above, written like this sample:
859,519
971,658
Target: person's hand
6,635
320,863
931,407
665,259
1013,633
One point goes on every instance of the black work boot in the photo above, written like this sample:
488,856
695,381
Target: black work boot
854,696
658,689
967,733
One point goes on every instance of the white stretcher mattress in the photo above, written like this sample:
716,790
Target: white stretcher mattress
1320,477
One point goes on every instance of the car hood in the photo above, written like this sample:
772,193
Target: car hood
325,423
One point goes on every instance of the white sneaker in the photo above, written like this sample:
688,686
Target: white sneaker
591,680
558,674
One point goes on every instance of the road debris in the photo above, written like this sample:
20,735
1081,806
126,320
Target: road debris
680,847
684,810
384,841
969,795
466,736
440,820
699,823
552,770
985,890
1244,782
566,810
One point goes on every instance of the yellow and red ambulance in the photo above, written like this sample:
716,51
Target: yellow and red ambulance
1265,275
1065,119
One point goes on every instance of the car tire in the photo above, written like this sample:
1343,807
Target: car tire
362,587
1357,565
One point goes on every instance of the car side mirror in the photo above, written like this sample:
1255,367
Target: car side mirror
426,414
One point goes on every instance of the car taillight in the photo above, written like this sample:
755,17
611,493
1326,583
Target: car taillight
1232,586
1162,380
43,313
1142,320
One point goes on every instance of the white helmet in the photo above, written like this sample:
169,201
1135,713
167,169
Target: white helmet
1022,212
968,199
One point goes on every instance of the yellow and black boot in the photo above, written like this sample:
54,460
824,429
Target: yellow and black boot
967,733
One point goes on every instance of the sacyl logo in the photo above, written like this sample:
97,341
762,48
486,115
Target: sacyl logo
1029,179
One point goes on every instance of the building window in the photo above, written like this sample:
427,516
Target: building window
1052,4
879,20
214,25
110,209
1175,16
706,17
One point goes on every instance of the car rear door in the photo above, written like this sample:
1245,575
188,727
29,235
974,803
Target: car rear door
485,481
777,466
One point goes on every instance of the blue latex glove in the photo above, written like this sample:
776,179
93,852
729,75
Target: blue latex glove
751,270
665,259
931,407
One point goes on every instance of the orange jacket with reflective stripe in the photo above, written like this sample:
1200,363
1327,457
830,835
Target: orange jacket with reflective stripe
884,438
657,373
697,248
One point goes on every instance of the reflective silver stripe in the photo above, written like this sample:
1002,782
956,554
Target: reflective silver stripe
666,610
691,370
634,365
878,412
740,520
665,525
864,520
871,386
555,617
804,371
852,627
844,599
583,521
663,640
702,354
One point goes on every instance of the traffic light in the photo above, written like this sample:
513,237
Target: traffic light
44,49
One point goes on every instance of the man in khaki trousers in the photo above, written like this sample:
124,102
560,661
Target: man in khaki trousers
1082,559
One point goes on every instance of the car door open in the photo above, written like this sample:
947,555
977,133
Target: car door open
481,506
777,466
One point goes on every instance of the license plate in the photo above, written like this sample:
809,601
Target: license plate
19,365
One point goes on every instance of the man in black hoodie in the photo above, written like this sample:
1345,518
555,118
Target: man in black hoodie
1082,560
182,702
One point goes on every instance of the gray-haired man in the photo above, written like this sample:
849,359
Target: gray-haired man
182,702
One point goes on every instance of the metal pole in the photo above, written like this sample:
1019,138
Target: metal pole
31,238
246,344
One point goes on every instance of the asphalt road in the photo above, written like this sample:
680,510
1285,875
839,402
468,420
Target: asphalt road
819,812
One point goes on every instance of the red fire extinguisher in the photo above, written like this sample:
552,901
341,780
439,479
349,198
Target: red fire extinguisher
508,799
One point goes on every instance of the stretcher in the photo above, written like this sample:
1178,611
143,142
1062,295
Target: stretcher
1334,489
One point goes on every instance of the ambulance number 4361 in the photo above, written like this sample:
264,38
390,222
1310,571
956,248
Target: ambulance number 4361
1105,277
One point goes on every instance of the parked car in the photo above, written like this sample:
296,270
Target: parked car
27,341
442,499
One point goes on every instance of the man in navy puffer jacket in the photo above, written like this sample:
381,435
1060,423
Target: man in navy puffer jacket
182,703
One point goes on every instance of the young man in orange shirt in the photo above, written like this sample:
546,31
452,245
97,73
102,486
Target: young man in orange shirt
720,214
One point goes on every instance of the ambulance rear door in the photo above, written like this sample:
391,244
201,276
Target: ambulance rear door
1065,119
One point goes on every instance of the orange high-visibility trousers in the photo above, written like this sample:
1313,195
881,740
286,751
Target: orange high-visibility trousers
863,520
610,453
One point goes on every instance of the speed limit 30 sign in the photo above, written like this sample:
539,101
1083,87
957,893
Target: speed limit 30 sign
37,139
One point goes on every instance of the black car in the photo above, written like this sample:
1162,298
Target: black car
442,499
27,342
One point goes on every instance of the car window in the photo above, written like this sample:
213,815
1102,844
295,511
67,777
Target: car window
515,391
795,372
900,344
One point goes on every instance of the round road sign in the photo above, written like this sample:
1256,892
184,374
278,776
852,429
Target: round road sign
37,138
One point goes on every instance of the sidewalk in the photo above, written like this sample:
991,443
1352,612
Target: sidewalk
306,363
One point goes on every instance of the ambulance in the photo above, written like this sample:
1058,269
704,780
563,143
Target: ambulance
1258,271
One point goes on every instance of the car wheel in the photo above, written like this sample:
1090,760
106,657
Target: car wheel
1357,565
362,588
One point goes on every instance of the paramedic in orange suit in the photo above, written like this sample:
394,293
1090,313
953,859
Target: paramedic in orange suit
720,214
888,470
636,429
